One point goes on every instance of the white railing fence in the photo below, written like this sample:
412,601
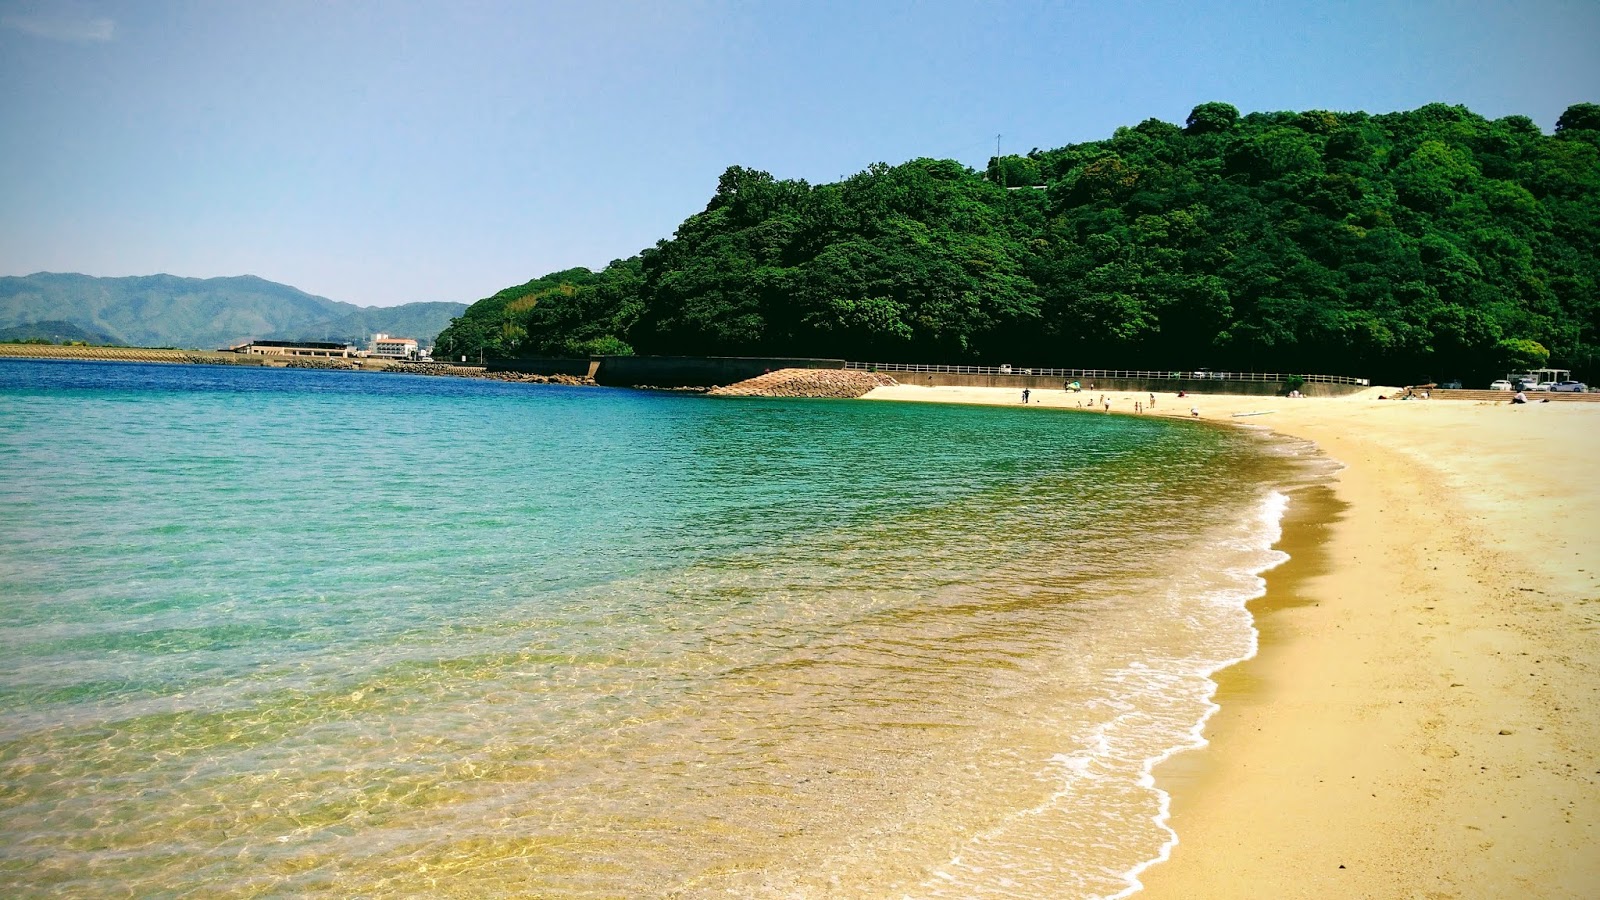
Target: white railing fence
1136,374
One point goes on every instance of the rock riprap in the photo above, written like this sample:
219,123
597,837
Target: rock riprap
845,384
475,372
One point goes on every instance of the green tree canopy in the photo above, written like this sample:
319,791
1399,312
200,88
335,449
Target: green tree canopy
1404,246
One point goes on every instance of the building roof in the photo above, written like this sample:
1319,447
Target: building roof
299,345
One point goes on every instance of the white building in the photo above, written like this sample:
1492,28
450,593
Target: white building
387,347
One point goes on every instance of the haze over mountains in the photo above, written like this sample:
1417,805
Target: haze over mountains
199,313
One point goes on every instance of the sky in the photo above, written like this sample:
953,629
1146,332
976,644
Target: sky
389,152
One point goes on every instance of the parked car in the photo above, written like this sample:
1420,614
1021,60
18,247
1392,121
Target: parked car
1543,386
1570,386
1501,385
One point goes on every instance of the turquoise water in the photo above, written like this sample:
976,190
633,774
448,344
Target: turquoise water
285,632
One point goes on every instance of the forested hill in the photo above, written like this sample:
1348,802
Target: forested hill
1433,243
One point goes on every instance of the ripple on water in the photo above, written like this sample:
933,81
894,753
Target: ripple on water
570,642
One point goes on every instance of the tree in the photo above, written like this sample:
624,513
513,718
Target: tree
1579,117
1212,117
1522,355
1400,246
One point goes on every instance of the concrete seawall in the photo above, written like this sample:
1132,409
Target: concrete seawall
660,371
696,371
576,367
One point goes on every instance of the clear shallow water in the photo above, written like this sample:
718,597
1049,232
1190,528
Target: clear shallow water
281,632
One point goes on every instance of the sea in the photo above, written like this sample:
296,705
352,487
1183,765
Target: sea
299,633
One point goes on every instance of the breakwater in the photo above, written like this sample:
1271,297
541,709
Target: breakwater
130,354
491,374
842,384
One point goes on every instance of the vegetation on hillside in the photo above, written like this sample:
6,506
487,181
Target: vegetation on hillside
55,332
1425,244
168,311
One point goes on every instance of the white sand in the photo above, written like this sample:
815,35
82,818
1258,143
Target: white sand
1424,717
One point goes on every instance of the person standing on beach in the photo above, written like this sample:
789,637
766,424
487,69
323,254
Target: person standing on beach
1106,402
1152,402
1024,395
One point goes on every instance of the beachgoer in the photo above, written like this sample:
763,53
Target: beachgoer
1520,397
1138,407
1194,411
1182,394
1024,395
1152,401
1107,403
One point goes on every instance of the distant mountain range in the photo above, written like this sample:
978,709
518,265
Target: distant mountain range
198,313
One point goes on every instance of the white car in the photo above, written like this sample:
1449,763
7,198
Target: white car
1501,385
1572,386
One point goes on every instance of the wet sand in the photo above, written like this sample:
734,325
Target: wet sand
1423,718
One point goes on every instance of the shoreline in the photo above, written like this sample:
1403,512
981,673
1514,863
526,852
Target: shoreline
165,356
1420,717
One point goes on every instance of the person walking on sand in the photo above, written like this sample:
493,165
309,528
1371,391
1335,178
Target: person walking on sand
1106,402
1152,402
1024,395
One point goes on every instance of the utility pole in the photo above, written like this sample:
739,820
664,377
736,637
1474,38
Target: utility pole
999,168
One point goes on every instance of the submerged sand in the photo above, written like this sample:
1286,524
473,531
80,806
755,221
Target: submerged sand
1423,719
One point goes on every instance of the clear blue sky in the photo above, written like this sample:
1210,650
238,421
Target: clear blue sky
387,152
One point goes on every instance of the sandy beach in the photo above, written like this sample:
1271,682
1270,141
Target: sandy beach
1423,717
